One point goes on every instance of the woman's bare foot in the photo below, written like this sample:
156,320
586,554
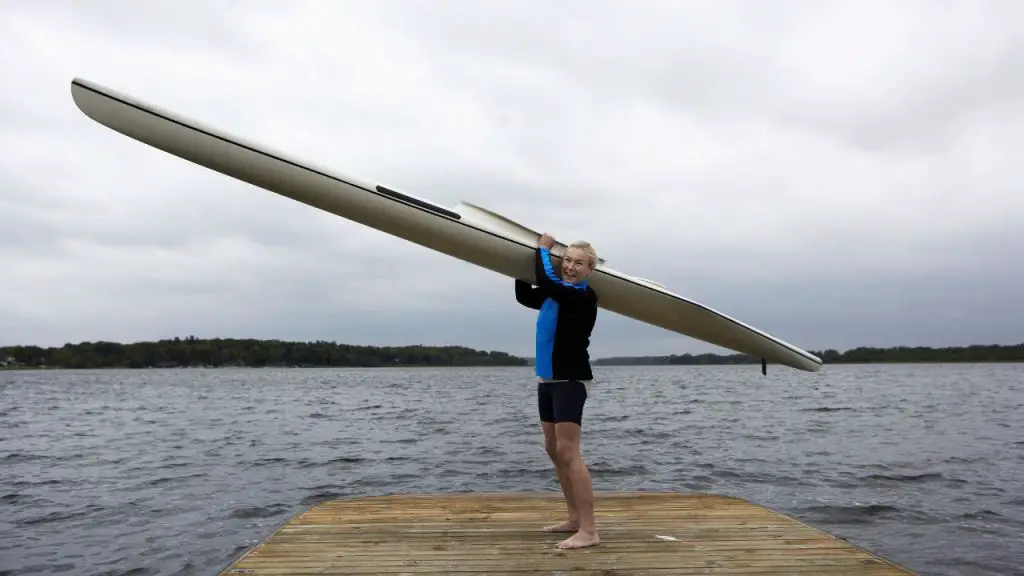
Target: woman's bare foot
566,526
580,540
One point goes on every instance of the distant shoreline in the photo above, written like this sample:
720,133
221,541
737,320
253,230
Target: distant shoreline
192,352
975,353
427,366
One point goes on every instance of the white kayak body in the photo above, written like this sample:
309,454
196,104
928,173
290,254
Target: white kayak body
467,232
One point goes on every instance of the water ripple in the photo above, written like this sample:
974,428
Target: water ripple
177,471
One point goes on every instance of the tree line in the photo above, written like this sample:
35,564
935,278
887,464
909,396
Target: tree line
859,355
230,352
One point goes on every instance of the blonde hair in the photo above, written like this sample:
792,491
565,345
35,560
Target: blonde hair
588,250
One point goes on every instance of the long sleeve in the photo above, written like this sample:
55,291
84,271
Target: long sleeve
529,296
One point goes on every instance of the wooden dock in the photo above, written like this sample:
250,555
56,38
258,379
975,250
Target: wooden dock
653,533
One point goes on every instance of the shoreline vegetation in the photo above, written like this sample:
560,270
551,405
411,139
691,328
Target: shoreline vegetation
859,355
192,352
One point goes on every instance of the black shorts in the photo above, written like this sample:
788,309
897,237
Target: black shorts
561,401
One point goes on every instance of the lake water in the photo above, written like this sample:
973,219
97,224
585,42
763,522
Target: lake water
178,471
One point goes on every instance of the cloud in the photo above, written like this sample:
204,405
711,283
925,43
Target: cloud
832,173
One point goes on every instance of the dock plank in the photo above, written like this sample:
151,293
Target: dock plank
654,533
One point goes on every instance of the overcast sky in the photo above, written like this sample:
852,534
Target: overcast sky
835,173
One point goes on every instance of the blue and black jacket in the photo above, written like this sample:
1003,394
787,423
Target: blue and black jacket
567,316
